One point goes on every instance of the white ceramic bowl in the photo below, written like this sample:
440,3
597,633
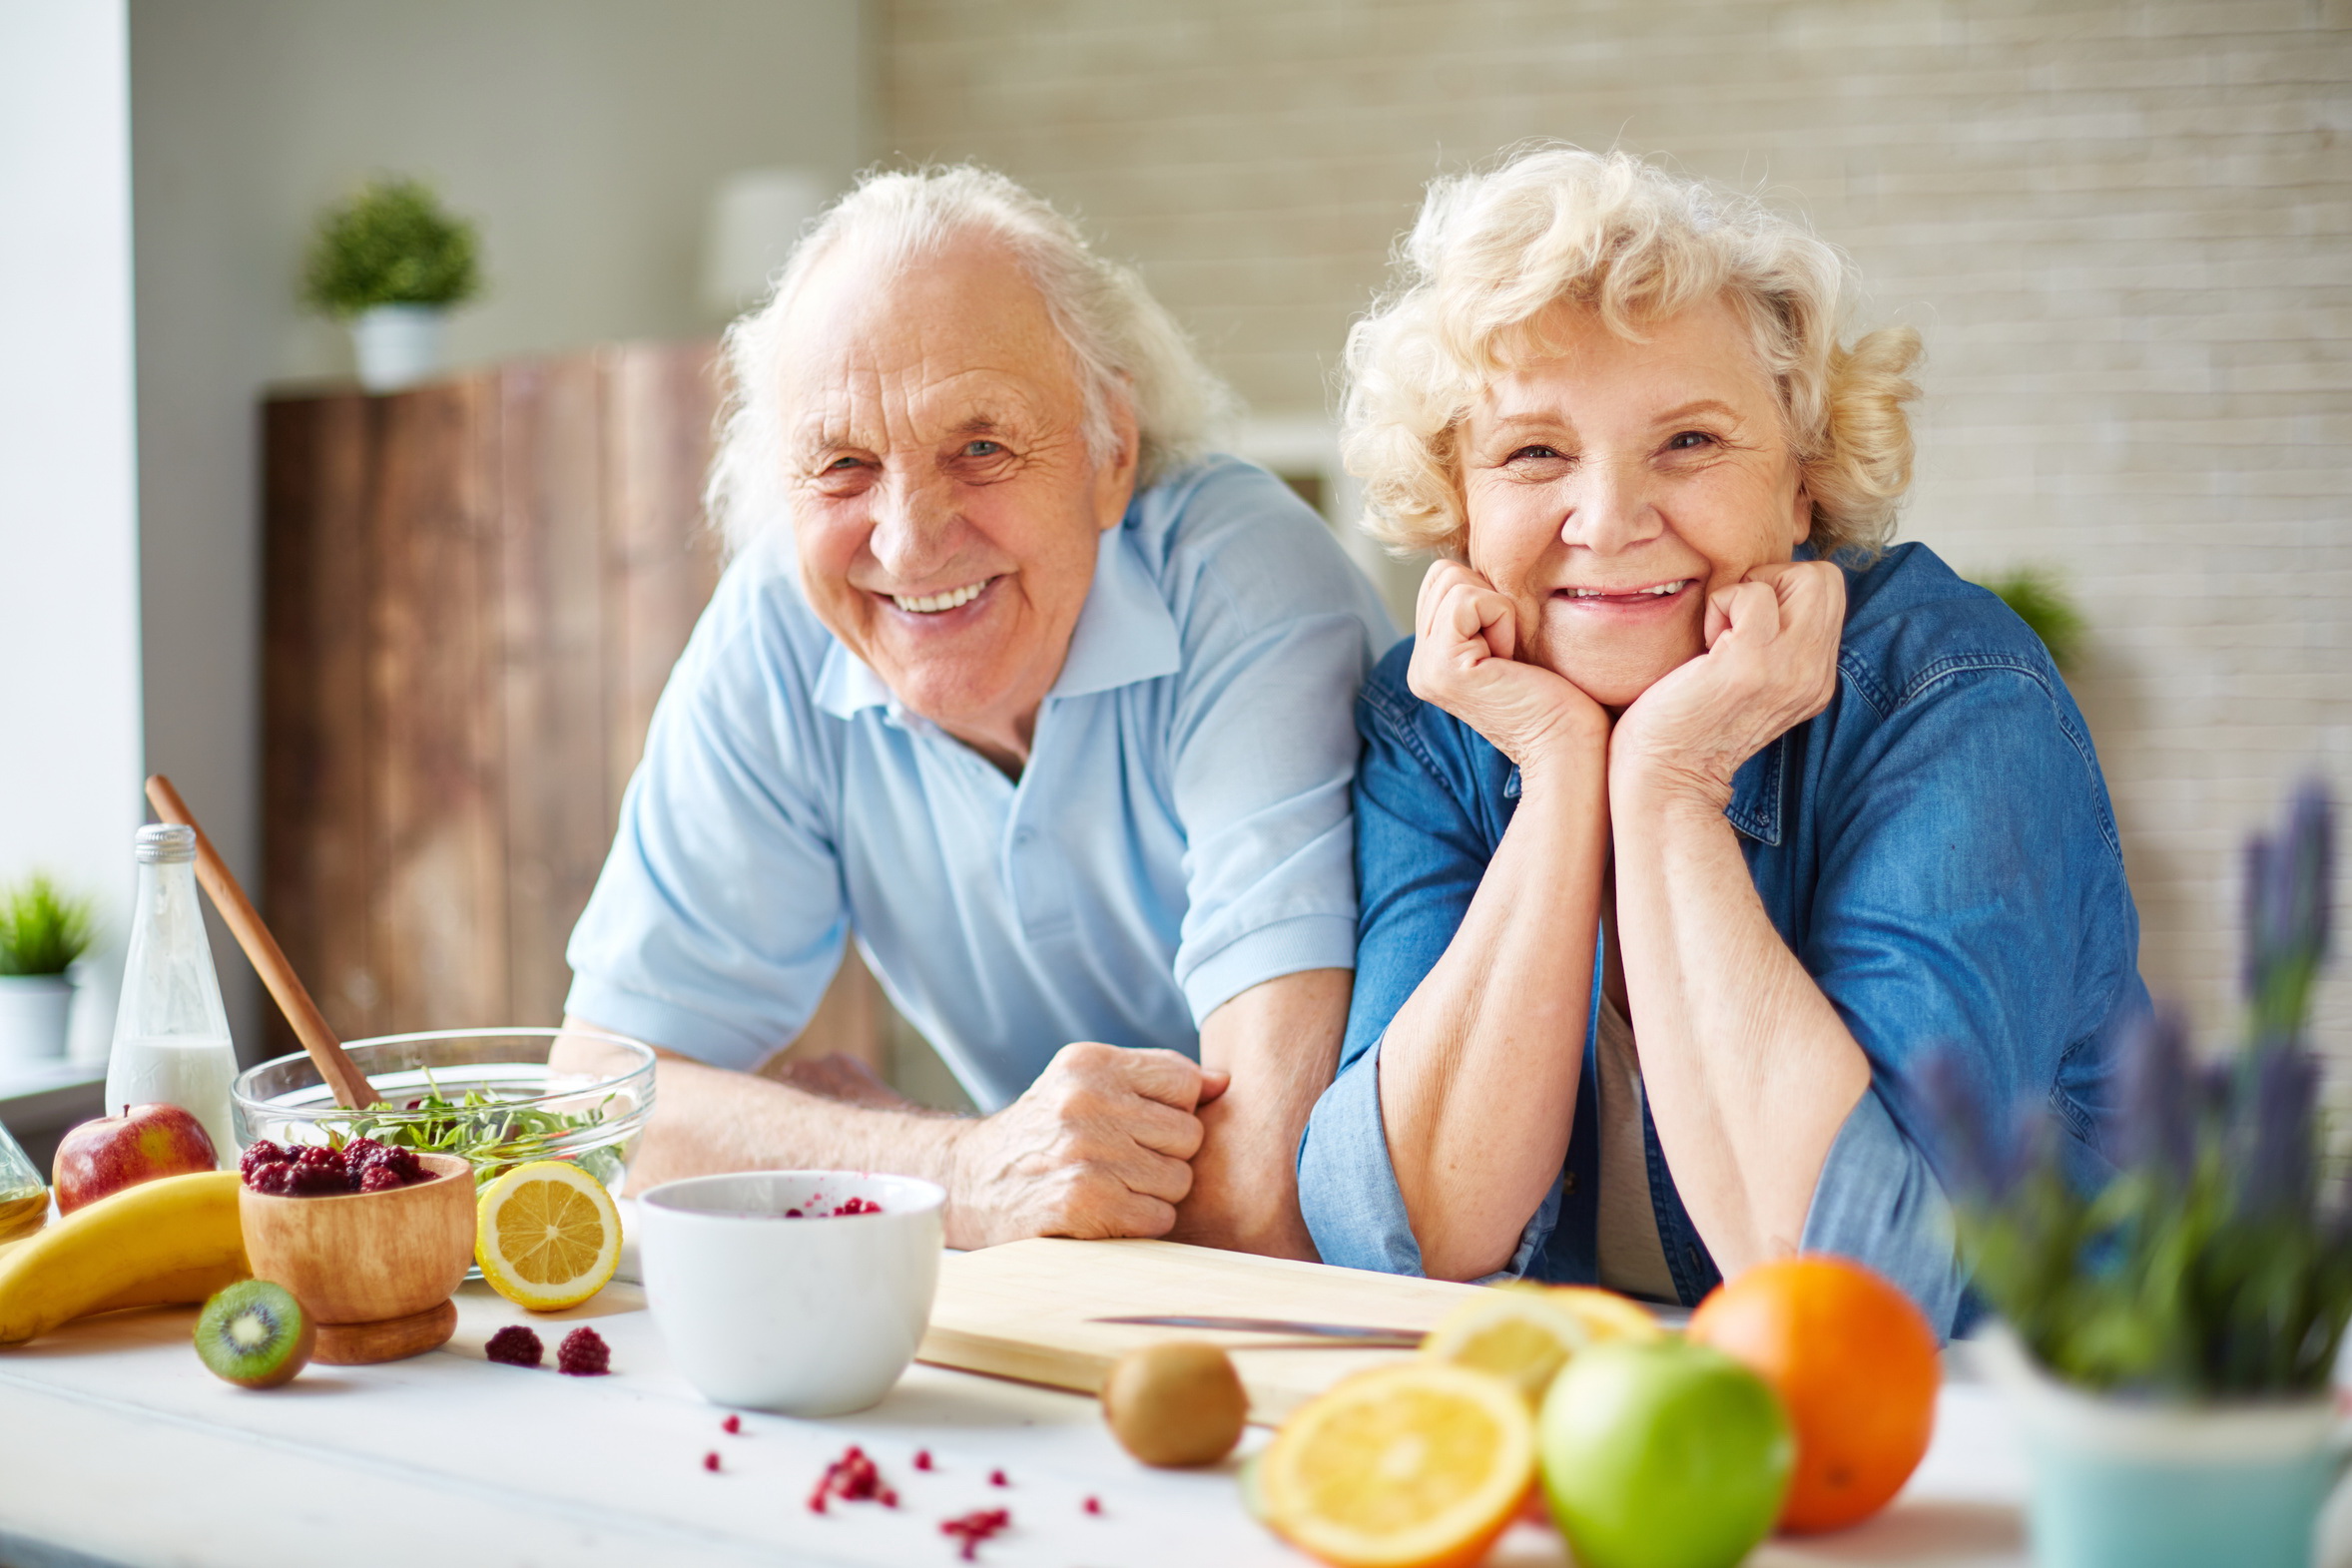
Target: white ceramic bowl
807,1316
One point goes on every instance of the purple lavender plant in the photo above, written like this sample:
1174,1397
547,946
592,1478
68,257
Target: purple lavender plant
2215,1264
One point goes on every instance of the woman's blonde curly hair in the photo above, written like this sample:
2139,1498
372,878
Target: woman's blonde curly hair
1491,252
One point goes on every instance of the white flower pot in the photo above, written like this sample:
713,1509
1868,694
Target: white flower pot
35,1011
398,345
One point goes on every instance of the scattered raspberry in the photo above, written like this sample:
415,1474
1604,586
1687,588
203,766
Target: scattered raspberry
261,1153
274,1180
1092,1505
514,1345
996,1478
583,1354
975,1528
853,1478
858,1206
922,1458
732,1425
711,1461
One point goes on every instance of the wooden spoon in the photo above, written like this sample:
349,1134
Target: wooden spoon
349,1085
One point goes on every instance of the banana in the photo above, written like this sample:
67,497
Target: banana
176,1238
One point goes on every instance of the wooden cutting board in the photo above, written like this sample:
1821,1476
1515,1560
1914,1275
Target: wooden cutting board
1022,1311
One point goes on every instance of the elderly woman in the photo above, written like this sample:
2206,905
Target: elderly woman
1693,818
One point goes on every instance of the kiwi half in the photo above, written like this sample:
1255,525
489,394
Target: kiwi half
254,1335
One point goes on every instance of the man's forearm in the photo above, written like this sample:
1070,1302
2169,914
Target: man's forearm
1281,1043
708,1120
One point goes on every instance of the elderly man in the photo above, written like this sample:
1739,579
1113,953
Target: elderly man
1050,712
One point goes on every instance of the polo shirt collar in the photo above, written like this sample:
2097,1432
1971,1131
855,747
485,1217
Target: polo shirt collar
1125,632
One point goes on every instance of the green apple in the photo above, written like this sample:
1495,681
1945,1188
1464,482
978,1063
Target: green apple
1662,1456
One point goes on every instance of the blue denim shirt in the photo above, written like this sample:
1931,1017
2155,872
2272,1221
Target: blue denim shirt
1937,848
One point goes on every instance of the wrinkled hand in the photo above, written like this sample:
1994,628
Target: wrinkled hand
1771,663
1463,661
1100,1147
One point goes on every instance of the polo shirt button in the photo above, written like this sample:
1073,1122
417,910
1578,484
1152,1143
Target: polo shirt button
1025,835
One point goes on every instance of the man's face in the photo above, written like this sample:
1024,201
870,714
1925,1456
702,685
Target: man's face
944,501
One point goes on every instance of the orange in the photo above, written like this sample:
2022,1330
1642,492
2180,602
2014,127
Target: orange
1421,1464
1855,1362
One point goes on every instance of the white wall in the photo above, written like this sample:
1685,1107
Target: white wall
584,136
69,585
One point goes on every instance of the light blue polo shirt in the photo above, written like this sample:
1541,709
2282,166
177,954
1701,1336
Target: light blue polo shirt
1182,830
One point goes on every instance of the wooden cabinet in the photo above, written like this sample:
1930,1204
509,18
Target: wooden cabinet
473,593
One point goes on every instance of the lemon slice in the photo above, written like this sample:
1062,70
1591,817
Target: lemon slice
1606,1314
547,1236
1520,1337
1416,1465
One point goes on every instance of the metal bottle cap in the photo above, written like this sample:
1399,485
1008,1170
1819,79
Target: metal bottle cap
166,844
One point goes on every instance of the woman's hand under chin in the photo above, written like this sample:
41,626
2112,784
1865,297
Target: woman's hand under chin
1463,661
1771,663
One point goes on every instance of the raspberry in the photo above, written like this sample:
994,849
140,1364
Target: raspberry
792,1213
316,1180
711,1461
1092,1505
583,1354
732,1425
922,1458
996,1478
360,1151
405,1165
319,1155
975,1528
514,1345
379,1177
261,1153
854,1478
858,1206
274,1180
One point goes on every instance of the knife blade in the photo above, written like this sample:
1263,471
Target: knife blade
1353,1336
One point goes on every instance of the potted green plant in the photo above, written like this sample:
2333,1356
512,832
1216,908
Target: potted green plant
392,262
2166,1336
42,932
2038,596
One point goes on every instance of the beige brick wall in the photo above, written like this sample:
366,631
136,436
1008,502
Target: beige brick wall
2121,227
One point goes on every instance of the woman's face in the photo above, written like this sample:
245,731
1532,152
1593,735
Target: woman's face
1611,485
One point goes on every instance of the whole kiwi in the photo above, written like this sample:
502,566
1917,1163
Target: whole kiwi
1175,1404
254,1335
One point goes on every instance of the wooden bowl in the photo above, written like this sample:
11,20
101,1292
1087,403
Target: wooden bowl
375,1271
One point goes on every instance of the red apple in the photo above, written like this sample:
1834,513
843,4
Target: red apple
115,1152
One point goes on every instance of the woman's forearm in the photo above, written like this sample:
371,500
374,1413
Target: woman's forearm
1748,1069
1478,1069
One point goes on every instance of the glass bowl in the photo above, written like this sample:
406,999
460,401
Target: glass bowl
486,1094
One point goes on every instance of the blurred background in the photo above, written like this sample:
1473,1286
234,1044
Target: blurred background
2119,225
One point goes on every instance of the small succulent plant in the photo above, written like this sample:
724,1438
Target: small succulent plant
390,243
2215,1261
42,931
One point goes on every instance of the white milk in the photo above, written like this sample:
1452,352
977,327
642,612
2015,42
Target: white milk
183,1070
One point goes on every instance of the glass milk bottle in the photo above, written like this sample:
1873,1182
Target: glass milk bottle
172,1034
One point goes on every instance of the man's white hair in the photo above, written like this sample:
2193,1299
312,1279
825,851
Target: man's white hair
1126,347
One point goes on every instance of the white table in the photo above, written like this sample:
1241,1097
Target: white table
115,1447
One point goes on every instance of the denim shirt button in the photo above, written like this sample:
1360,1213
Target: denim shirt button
1568,1183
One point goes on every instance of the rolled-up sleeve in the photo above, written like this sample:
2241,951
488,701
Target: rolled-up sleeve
1420,855
719,918
1970,900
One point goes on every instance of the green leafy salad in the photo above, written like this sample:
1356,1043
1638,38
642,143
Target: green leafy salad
494,1135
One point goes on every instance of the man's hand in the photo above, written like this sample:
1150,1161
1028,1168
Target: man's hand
1771,663
1099,1146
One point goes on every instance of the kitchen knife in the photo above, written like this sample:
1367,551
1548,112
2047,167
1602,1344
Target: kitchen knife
1337,1337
